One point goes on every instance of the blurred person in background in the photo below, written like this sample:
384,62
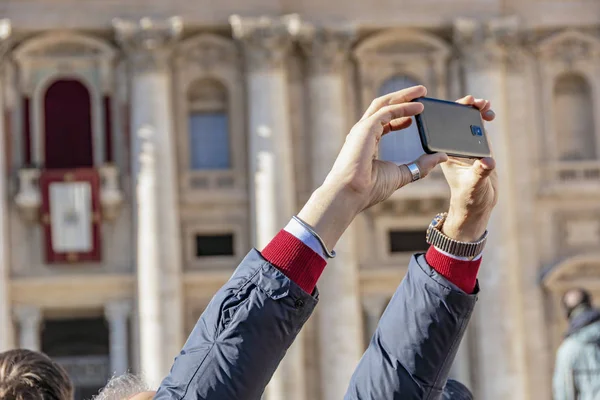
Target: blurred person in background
29,375
577,369
252,320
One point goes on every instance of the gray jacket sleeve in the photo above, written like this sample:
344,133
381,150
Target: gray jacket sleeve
563,382
241,337
411,352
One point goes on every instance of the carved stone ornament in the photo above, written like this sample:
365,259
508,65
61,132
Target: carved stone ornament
149,42
29,197
64,46
266,41
584,270
488,44
570,46
67,49
111,197
208,52
326,49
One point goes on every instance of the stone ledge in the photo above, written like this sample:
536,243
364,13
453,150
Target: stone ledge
72,291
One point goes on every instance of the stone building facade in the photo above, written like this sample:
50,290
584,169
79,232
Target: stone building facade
143,154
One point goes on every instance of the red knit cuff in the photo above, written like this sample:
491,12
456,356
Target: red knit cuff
295,259
462,273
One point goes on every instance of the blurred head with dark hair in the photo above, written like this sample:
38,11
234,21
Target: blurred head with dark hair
455,390
576,300
29,375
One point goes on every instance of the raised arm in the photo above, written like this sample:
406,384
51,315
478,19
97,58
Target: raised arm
412,350
248,326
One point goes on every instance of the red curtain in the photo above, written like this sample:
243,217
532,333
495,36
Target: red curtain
27,130
68,126
107,130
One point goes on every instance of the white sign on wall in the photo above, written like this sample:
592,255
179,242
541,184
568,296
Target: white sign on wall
71,216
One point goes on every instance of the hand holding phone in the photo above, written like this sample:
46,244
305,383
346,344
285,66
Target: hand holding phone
452,128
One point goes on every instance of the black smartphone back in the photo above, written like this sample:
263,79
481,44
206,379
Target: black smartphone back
452,128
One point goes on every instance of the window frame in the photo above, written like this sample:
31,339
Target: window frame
43,61
220,234
216,263
586,81
552,63
211,57
421,232
402,52
384,224
208,106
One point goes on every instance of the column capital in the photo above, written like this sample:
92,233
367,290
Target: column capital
489,44
266,40
117,309
327,49
148,41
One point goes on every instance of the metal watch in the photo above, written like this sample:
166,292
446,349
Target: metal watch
436,238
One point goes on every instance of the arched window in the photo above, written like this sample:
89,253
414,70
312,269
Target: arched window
208,124
402,146
68,125
574,118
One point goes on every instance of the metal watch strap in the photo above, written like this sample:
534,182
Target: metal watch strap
436,238
454,247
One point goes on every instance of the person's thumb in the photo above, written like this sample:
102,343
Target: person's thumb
425,163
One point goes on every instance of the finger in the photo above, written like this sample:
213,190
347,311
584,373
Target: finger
488,115
480,104
467,100
483,105
486,107
397,124
401,96
389,113
484,167
426,163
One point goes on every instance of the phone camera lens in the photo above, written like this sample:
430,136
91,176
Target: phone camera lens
476,130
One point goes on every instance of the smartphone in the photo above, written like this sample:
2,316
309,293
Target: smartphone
452,128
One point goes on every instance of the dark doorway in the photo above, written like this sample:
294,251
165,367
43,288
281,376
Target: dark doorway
81,345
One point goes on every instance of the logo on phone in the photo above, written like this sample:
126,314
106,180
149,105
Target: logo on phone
476,130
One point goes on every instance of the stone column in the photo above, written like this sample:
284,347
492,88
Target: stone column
498,319
340,327
117,314
266,41
160,299
30,318
6,325
373,306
